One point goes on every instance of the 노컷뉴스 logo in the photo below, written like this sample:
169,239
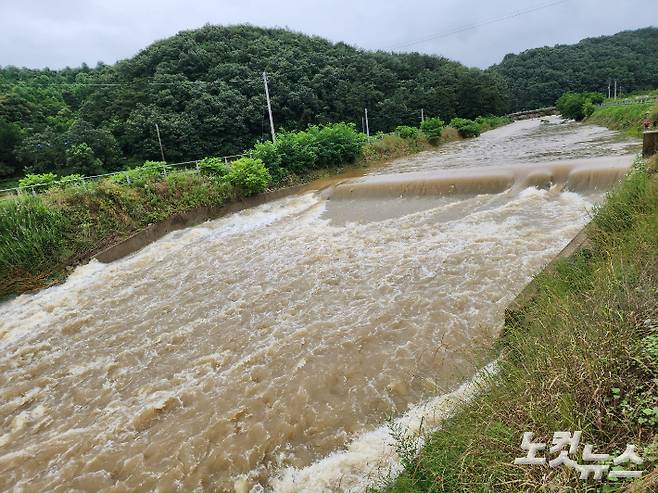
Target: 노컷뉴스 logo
565,446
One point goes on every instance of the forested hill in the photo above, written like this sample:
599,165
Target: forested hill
539,76
204,89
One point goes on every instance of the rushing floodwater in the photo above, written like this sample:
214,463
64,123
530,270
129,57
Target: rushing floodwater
246,350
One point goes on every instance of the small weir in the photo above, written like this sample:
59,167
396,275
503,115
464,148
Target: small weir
588,175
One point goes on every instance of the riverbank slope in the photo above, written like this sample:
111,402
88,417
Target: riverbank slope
582,356
626,118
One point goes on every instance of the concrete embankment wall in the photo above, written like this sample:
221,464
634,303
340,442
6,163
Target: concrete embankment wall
514,311
194,217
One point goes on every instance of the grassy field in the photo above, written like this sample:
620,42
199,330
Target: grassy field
582,356
627,118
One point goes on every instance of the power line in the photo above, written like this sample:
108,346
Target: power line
432,37
468,27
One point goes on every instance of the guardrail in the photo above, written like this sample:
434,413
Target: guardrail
33,188
629,101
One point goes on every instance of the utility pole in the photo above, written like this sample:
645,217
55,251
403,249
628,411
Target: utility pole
269,107
422,115
157,129
367,128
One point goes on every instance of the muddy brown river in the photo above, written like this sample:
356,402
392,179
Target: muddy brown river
265,350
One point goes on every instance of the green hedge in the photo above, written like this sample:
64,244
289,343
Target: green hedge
466,128
295,153
433,128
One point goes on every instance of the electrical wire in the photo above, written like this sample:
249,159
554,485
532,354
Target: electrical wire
475,26
389,48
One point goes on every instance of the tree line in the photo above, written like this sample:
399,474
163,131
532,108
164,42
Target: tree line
205,91
538,77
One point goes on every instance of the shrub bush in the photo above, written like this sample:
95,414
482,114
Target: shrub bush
578,106
30,180
433,128
73,179
140,174
336,144
155,166
298,151
214,166
588,109
407,132
249,176
466,128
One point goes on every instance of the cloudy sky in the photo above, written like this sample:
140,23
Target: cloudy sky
40,33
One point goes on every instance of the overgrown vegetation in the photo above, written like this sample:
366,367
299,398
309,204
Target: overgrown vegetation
323,146
390,146
628,118
580,356
578,106
432,128
466,128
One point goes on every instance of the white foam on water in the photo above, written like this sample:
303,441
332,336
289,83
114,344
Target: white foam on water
26,315
372,456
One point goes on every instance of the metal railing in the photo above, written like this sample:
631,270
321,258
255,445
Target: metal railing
629,101
193,165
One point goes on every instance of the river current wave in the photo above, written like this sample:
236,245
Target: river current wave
265,347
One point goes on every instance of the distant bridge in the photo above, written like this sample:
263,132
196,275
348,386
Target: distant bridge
525,115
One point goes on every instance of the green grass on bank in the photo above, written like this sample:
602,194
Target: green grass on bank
41,235
582,356
627,118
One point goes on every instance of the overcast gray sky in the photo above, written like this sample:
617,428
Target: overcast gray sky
40,33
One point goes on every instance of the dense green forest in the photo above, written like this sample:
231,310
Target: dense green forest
204,89
538,77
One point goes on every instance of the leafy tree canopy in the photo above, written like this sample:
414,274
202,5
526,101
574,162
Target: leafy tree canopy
538,77
204,89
